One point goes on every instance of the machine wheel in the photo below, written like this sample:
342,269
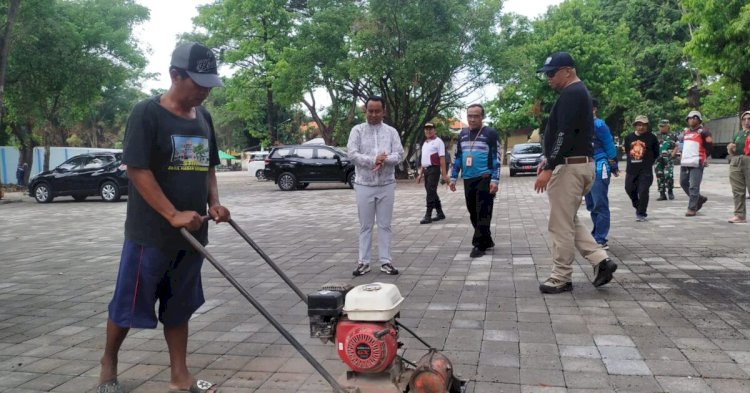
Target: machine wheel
287,182
260,174
43,193
109,191
302,186
350,180
79,198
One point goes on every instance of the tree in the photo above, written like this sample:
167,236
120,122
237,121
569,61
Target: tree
68,54
720,42
318,60
5,44
250,35
422,56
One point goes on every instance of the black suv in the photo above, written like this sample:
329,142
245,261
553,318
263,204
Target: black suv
100,173
296,166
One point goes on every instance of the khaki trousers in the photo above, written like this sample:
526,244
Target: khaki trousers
739,179
566,188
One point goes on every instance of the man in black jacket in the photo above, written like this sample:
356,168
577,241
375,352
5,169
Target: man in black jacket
567,172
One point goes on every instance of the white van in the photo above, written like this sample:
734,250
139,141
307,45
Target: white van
256,163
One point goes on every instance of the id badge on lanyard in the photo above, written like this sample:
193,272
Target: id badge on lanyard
469,160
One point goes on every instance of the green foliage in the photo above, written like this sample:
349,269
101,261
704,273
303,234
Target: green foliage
627,52
423,57
67,56
720,42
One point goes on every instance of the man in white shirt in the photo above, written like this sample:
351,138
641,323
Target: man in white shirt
375,149
433,169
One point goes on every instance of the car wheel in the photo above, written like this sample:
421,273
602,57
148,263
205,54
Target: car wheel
79,198
287,182
43,193
350,180
512,173
109,191
260,174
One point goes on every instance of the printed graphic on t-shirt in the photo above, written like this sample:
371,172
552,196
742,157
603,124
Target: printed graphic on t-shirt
189,153
637,148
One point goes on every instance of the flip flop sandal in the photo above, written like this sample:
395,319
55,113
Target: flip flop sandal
198,386
112,386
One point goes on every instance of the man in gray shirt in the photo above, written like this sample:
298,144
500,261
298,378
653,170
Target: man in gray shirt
375,149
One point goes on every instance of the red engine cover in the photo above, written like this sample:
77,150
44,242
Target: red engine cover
361,350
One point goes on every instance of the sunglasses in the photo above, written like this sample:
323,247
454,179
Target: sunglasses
551,73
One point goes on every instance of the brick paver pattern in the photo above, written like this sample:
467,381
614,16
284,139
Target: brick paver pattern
674,319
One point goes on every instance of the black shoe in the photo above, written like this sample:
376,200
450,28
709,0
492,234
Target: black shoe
662,197
670,194
604,272
387,268
425,220
701,201
361,270
440,216
476,252
553,285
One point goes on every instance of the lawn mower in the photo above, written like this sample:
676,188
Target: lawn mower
361,321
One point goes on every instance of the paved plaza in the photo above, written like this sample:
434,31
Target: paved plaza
674,319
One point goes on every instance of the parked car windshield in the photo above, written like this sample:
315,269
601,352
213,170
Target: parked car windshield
527,149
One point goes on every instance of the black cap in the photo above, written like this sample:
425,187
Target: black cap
199,62
557,60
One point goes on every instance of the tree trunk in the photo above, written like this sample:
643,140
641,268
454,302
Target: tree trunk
269,115
5,49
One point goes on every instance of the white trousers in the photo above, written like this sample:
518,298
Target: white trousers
375,203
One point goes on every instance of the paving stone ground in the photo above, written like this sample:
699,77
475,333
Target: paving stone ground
675,319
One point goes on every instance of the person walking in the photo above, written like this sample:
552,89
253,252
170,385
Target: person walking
597,199
696,147
375,149
21,174
433,168
478,160
664,162
567,174
641,150
739,168
171,153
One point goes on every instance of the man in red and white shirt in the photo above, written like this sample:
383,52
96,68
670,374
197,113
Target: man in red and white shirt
696,146
432,169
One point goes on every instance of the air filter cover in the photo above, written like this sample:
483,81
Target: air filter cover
373,302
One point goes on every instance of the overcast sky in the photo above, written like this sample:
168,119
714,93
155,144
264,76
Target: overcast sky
172,17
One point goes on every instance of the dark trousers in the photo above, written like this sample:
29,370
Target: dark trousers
431,181
690,181
637,188
479,202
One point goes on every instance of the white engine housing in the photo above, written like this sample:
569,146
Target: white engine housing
373,302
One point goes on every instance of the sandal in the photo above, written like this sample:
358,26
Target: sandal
198,386
112,386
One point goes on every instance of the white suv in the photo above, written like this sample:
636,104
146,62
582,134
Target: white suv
256,164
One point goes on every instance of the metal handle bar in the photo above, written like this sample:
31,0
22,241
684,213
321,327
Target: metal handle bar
202,250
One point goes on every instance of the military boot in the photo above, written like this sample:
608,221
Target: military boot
662,196
671,195
427,217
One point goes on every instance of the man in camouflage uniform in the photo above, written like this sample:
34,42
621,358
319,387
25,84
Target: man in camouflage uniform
664,164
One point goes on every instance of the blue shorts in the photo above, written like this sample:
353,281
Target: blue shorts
148,274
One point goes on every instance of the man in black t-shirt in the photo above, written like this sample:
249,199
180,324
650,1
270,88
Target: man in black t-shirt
567,173
170,150
641,148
